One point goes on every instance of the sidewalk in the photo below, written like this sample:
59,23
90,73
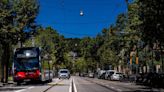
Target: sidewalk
1,84
9,83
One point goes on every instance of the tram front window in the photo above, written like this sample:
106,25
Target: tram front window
26,64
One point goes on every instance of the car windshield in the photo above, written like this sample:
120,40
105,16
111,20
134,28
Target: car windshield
119,73
26,64
111,73
63,71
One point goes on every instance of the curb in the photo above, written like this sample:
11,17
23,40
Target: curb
1,85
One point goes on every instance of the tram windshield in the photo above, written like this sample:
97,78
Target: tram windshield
26,64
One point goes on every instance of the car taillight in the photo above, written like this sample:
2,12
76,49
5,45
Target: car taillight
38,72
20,74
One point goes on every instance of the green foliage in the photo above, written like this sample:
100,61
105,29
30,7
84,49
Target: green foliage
50,42
81,65
15,16
152,14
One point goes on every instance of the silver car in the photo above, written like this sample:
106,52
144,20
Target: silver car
64,73
109,73
117,76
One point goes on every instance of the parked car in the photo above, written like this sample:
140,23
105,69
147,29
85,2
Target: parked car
101,74
151,79
91,75
109,73
64,73
117,76
83,74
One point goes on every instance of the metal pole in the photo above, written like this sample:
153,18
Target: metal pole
33,41
152,62
19,43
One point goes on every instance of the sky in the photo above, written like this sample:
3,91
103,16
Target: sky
64,16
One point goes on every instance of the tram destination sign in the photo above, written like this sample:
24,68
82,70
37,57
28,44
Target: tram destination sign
27,54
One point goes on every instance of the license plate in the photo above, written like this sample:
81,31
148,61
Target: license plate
27,80
30,73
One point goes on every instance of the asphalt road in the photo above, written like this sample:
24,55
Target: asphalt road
83,85
79,84
118,86
57,85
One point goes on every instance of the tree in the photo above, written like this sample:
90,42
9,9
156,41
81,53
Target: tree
15,16
152,15
54,45
152,28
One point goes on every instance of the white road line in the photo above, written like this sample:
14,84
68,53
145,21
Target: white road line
30,87
24,89
75,89
107,85
119,90
112,87
20,90
70,87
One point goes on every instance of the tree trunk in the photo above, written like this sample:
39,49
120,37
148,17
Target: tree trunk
2,71
162,57
5,62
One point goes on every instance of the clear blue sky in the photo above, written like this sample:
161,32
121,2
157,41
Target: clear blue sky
64,16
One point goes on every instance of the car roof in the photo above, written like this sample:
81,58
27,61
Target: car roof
111,70
63,70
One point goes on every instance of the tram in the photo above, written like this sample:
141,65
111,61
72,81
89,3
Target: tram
29,65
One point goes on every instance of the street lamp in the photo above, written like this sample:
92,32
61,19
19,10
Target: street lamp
81,13
74,54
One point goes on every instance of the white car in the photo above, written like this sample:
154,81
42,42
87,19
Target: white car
91,75
109,73
101,73
117,76
64,73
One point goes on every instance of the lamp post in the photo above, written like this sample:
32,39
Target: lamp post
19,42
139,45
33,40
74,54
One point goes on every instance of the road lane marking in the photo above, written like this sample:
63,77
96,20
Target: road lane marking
20,90
119,90
75,89
107,85
58,82
112,87
30,87
70,87
24,89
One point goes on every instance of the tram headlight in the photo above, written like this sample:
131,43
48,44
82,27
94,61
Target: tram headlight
27,54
